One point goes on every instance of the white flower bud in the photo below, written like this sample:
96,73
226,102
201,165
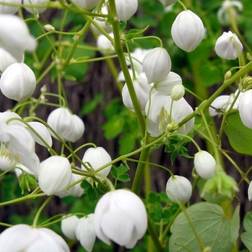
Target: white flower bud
179,189
220,104
125,9
165,86
49,27
142,89
15,36
9,117
18,82
68,226
34,9
38,131
120,216
204,164
54,175
245,104
6,59
85,232
86,4
157,64
178,92
5,9
105,45
26,238
250,191
68,126
228,46
168,2
187,31
97,158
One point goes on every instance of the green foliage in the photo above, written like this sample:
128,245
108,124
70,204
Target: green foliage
208,222
120,173
246,237
239,136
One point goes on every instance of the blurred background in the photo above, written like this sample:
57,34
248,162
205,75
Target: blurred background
94,94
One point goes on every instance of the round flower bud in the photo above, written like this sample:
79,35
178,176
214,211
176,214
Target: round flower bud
40,134
86,4
142,89
157,64
96,158
6,59
245,103
177,92
18,82
250,191
49,27
26,238
228,46
179,189
187,31
168,2
125,9
68,226
120,216
66,125
15,36
85,232
204,164
105,45
5,9
35,10
165,86
54,175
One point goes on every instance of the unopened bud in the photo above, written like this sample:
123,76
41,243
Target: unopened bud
49,28
177,92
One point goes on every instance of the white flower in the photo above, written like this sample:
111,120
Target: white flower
25,238
85,232
187,31
165,86
220,104
15,36
228,46
86,4
250,191
125,9
158,110
65,124
5,9
54,175
244,108
105,45
18,82
6,59
68,226
142,89
16,146
179,189
167,2
120,216
38,131
96,158
157,64
204,164
34,9
223,15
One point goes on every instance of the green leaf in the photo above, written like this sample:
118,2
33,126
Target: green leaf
121,173
211,226
239,136
113,127
91,105
246,237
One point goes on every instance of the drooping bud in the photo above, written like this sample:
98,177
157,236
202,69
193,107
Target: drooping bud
177,92
179,189
228,46
244,108
120,216
105,45
187,31
18,82
6,59
204,164
157,64
125,9
68,226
